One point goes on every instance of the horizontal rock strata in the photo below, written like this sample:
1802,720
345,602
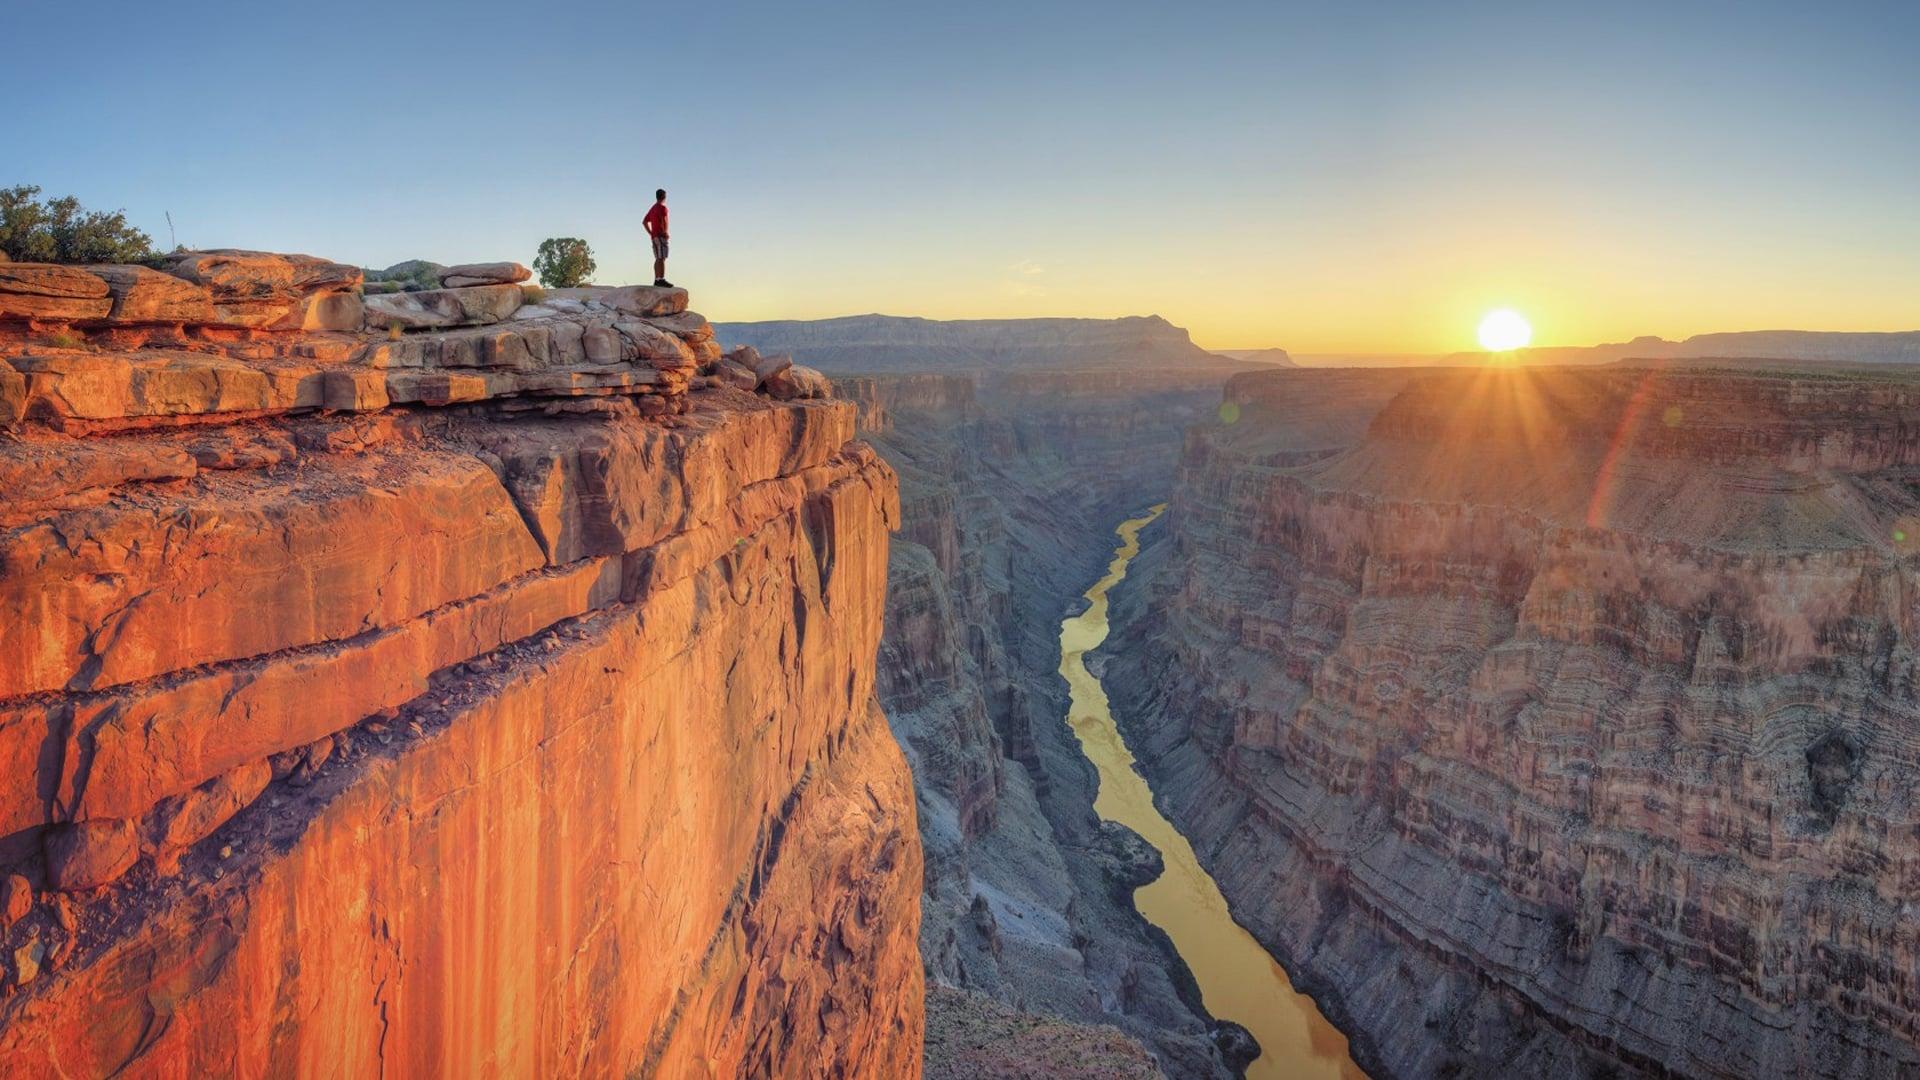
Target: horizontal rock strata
1561,722
384,735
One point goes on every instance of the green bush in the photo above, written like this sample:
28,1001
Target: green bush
564,262
61,231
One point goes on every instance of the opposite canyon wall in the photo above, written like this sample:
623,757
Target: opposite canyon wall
1564,722
436,685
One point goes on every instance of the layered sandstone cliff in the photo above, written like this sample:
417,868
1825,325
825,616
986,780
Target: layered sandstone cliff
436,684
1564,721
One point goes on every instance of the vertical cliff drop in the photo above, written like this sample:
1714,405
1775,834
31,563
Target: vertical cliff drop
436,684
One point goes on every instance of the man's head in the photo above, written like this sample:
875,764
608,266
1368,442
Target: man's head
660,195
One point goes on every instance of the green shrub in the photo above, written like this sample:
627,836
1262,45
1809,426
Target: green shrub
61,231
564,262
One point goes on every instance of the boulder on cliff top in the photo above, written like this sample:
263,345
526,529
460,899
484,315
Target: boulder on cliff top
261,289
796,382
772,365
493,273
235,274
476,305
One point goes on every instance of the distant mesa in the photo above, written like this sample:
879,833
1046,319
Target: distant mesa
1270,357
872,344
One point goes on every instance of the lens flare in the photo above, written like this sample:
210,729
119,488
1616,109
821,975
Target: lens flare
1503,330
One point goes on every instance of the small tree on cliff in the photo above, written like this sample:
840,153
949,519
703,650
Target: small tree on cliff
563,262
33,229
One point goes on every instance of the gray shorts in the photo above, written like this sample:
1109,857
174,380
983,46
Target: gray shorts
659,247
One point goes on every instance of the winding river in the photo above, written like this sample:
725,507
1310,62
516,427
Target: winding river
1238,980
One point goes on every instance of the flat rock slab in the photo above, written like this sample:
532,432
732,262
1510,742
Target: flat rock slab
477,305
47,291
141,294
493,273
263,290
632,299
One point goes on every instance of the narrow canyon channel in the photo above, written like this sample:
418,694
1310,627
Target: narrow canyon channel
1238,980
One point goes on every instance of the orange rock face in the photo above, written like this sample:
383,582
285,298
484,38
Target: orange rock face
464,740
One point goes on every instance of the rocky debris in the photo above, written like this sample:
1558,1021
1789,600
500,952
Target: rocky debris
89,854
776,376
493,273
439,308
182,820
16,900
973,1037
26,960
47,291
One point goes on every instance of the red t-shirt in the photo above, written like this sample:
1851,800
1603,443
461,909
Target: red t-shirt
656,220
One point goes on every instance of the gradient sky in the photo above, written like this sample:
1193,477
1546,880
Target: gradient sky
1326,178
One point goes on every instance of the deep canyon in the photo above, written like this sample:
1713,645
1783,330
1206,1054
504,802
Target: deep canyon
482,680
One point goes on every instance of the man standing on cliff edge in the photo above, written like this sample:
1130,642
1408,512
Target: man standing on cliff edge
656,225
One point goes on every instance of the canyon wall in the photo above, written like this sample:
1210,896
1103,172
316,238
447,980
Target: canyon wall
1010,485
439,683
1554,722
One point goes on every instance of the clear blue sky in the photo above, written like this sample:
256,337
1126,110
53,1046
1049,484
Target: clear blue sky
1322,177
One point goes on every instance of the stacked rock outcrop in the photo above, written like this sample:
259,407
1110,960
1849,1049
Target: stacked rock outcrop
375,695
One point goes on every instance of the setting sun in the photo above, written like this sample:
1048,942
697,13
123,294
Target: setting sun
1504,330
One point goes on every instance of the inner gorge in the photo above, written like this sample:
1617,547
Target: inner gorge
1238,981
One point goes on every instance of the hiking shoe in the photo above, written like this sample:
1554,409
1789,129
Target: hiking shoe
662,283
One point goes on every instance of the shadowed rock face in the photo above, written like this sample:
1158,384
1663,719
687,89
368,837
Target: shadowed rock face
525,731
1010,486
1563,720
